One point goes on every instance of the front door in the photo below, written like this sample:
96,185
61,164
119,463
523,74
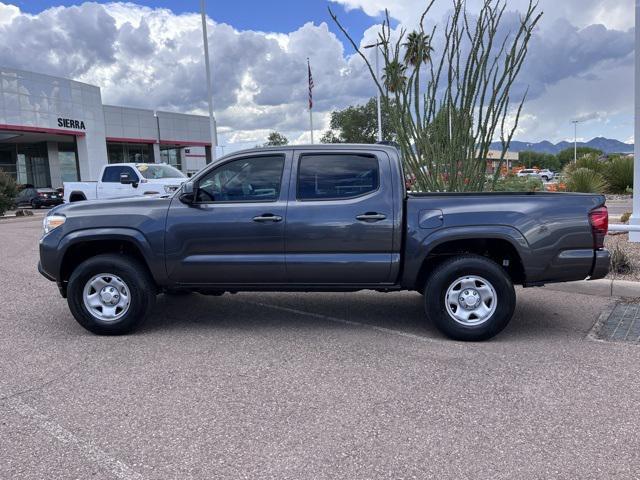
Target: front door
340,219
234,232
111,187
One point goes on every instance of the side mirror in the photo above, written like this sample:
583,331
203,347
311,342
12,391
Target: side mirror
125,179
187,195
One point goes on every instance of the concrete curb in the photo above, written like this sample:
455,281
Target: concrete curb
601,288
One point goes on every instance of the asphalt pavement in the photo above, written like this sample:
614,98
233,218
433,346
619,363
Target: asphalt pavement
297,386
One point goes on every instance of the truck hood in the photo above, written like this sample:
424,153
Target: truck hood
166,181
145,214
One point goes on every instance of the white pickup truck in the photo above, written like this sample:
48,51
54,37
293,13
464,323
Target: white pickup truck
126,180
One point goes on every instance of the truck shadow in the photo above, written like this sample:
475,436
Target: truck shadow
290,312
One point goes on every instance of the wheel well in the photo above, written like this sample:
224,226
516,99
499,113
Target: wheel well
77,196
500,251
78,253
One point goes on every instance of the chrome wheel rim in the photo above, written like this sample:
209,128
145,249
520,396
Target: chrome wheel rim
106,297
471,300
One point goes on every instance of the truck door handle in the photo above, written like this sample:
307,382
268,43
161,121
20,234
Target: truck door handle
371,217
267,217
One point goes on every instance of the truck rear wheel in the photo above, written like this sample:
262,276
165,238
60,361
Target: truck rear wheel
469,298
110,294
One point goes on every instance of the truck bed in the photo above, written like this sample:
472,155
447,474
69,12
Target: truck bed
549,231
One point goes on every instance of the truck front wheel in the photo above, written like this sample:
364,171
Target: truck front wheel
469,298
110,294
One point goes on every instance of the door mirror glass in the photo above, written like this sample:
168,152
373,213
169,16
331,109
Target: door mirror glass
187,187
126,179
187,193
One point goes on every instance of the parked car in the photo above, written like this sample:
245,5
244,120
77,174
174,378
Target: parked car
320,218
127,180
529,172
546,175
38,197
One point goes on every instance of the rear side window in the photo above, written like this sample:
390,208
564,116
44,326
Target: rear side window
112,174
325,177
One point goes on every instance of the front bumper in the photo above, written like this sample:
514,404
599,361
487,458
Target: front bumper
45,274
601,264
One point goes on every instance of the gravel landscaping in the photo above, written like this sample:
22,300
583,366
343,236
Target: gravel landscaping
632,252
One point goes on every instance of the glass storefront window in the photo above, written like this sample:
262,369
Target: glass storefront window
128,152
172,156
28,163
68,162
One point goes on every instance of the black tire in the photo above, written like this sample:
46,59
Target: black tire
142,293
34,205
446,275
545,179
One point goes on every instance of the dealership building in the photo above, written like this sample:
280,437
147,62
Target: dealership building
55,130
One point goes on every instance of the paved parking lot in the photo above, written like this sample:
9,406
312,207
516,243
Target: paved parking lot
307,386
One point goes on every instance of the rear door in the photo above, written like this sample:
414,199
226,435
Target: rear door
340,218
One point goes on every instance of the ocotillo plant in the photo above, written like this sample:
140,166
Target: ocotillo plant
448,106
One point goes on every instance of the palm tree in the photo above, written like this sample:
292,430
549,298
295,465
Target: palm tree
418,48
394,76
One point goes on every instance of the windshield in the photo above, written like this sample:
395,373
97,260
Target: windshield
156,171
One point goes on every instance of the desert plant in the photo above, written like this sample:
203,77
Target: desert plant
518,184
8,191
585,180
620,262
446,109
619,174
624,218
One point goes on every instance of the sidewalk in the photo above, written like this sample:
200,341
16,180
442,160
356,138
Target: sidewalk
605,287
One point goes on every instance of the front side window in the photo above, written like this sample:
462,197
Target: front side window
336,176
112,174
251,179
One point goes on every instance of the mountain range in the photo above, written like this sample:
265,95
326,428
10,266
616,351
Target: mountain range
606,145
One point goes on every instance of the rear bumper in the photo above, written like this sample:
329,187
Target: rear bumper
601,262
47,202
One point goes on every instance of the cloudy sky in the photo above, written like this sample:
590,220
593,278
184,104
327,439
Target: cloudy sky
149,54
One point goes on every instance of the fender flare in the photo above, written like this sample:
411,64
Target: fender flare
153,261
507,233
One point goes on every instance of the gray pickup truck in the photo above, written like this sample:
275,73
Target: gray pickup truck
320,218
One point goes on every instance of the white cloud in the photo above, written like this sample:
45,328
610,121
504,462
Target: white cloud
152,57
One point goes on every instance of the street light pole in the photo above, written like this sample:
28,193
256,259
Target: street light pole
377,46
212,120
575,140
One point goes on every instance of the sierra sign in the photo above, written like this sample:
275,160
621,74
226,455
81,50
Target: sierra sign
71,123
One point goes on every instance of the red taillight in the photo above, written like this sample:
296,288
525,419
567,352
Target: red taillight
41,194
599,219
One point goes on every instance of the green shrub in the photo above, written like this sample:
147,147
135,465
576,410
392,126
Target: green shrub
587,161
8,191
620,262
619,174
519,184
624,218
585,180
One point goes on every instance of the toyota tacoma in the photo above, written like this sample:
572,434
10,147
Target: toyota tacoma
320,218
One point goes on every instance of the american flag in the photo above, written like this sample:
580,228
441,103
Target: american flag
310,86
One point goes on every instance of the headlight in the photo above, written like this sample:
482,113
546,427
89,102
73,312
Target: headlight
52,221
